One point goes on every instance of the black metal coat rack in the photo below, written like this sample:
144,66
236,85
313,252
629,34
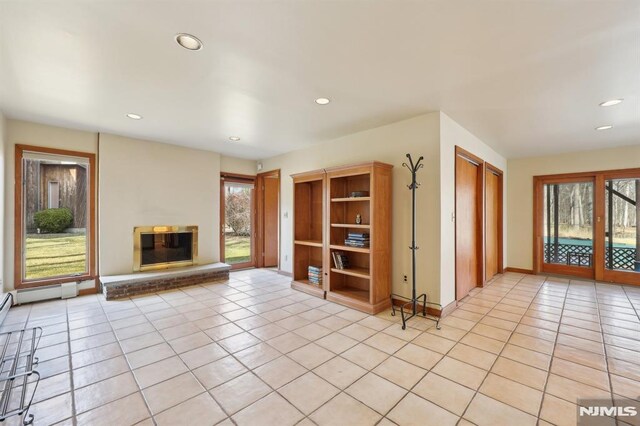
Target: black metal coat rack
415,299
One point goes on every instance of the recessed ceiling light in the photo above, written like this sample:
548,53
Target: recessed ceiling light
607,127
611,102
134,116
323,101
189,41
234,138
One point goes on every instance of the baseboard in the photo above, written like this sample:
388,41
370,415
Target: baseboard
519,270
430,310
285,273
86,291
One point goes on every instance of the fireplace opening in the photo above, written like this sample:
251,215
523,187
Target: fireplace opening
161,247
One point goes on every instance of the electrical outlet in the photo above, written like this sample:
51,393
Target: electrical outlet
405,279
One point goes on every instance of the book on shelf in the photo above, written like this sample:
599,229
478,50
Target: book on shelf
358,235
340,260
356,243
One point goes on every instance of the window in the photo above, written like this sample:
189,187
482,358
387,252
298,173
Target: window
55,216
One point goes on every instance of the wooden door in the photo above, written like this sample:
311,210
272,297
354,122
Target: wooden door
468,188
493,222
271,206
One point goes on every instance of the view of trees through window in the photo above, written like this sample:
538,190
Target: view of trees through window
55,217
237,230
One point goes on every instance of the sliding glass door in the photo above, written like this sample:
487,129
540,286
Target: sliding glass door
622,221
586,225
568,232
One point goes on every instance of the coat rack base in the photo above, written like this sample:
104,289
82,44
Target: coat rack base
410,309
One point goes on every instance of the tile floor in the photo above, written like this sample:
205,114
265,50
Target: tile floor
252,351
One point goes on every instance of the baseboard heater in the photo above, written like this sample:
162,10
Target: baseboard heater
59,291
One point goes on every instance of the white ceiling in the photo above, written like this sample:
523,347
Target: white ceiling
524,76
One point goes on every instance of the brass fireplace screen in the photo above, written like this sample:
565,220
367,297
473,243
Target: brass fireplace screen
162,247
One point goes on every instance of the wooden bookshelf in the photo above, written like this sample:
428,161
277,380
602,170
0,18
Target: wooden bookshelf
309,230
325,214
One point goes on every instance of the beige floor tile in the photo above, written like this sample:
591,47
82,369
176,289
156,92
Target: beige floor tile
365,356
571,390
625,387
52,386
444,393
358,332
257,355
532,343
149,355
218,372
140,342
520,373
526,356
450,333
336,342
203,355
159,371
512,393
340,372
99,371
200,410
488,411
491,332
238,342
625,369
407,334
460,372
582,333
376,392
308,392
460,323
419,356
537,332
171,392
240,392
584,344
400,372
499,323
279,372
434,343
268,331
473,356
190,342
311,355
345,410
223,331
558,412
125,411
484,343
580,373
288,342
415,411
272,410
385,343
84,358
312,331
100,393
333,323
589,359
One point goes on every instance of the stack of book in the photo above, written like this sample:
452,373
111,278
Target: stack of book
315,275
340,260
357,239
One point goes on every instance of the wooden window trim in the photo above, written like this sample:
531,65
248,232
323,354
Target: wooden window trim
238,178
19,283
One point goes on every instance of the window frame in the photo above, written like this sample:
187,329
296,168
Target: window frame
19,231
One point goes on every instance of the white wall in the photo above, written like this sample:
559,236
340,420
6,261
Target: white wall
520,190
3,137
389,144
148,183
237,165
27,133
452,134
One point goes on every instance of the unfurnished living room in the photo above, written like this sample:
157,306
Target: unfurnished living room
320,212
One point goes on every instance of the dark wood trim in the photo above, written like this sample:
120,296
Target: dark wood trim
260,227
519,270
86,291
285,273
480,220
237,178
19,225
490,167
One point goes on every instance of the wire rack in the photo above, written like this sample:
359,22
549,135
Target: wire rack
18,379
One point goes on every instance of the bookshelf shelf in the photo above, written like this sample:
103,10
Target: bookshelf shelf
354,272
349,248
349,199
351,225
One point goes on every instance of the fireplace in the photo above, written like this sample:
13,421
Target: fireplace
162,247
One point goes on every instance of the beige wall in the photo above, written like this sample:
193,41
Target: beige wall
148,183
27,133
237,165
3,137
520,190
389,144
452,135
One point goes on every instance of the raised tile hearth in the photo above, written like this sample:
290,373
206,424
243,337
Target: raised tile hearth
121,286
